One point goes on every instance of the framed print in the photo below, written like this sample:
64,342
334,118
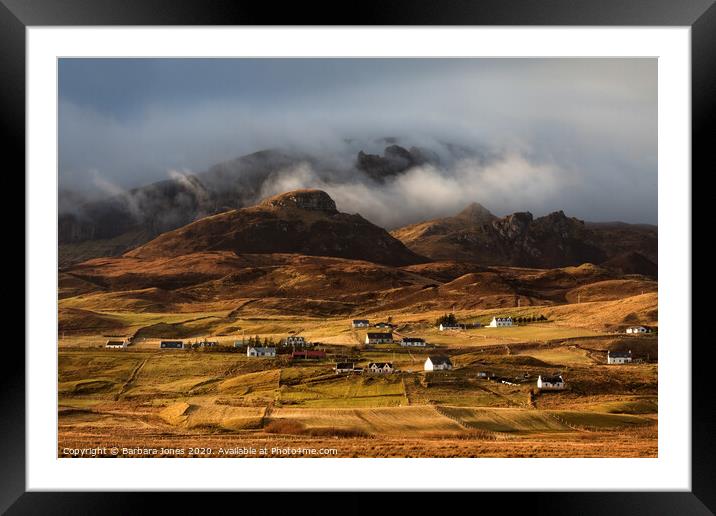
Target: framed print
402,252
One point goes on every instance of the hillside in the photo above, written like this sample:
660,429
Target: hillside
521,240
304,222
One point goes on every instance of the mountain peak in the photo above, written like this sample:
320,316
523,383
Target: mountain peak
307,199
476,213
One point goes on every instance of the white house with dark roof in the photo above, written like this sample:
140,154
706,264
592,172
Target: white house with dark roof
259,351
380,368
619,357
437,363
550,383
415,342
444,327
360,323
378,338
499,322
116,344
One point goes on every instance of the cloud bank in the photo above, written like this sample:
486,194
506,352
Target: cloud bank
537,134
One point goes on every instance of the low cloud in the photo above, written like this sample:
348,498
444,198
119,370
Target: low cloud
513,134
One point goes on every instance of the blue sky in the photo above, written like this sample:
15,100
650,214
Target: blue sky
589,125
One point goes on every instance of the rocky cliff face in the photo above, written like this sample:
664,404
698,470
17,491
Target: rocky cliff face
519,239
311,200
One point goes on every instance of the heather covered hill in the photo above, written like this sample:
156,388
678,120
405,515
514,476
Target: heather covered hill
303,222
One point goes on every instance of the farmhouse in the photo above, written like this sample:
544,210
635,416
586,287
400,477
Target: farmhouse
344,367
619,357
257,351
295,341
550,383
308,355
444,327
171,344
637,329
360,323
498,322
380,367
116,344
437,363
378,338
413,342
483,374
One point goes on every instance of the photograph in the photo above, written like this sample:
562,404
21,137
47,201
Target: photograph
357,257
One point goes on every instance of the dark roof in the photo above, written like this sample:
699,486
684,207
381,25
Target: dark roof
360,320
552,379
172,342
379,335
440,359
115,342
413,339
381,364
619,354
344,365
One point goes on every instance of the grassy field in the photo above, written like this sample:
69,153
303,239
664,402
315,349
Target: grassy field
149,397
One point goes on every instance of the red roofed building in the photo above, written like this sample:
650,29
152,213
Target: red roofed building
308,355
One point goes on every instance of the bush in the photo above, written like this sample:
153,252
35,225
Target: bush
284,426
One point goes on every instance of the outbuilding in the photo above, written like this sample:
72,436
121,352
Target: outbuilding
344,367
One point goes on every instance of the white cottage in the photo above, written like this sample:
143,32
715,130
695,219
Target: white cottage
444,327
637,329
550,383
360,323
619,357
437,363
415,342
498,322
258,351
116,344
378,338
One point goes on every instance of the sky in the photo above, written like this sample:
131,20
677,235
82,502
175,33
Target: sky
573,134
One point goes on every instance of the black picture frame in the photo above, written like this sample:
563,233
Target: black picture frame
17,15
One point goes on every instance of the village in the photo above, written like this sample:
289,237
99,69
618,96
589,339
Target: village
297,350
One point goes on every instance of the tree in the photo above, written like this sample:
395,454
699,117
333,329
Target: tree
447,319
